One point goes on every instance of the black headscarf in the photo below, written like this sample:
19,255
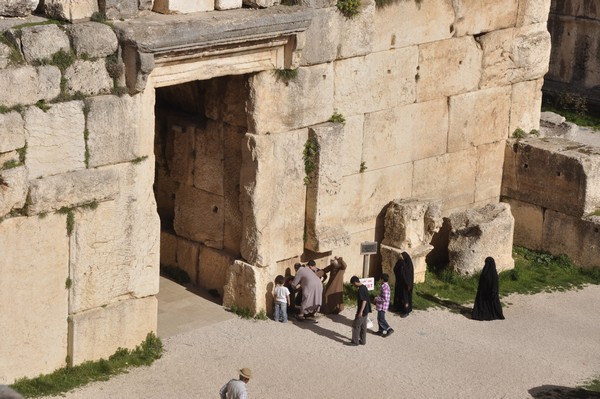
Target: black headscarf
487,301
405,277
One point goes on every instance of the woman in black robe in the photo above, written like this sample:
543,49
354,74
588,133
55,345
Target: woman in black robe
405,278
487,302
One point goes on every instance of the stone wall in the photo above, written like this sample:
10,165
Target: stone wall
421,95
574,62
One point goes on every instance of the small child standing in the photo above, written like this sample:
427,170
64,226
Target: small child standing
281,295
382,303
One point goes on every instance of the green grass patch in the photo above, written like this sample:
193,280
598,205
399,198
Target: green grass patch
592,385
348,8
69,378
580,119
29,24
285,74
245,313
139,159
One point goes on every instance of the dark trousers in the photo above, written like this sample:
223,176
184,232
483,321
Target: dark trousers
383,324
359,329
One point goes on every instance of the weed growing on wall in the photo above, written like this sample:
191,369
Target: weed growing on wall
69,378
348,8
363,167
139,160
41,104
309,155
245,313
15,57
337,118
519,133
285,75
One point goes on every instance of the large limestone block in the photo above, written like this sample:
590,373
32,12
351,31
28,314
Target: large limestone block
35,83
232,152
410,223
182,6
526,106
322,37
213,268
515,55
272,183
323,229
405,133
187,257
577,238
407,23
227,4
476,16
352,145
119,9
181,162
479,117
576,8
364,196
276,106
533,12
33,297
88,78
5,51
225,99
554,173
115,248
12,131
478,233
208,164
114,134
199,216
488,178
13,189
529,224
55,142
352,257
93,39
356,34
168,248
73,189
247,287
70,10
17,8
376,81
98,333
42,41
448,67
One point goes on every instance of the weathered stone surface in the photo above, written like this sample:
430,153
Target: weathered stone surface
477,16
575,237
55,142
370,192
199,216
407,23
93,38
113,124
529,224
526,106
317,3
533,12
554,173
479,117
39,83
168,248
181,163
88,77
261,3
303,101
213,268
115,248
42,41
13,189
272,183
405,133
458,60
227,4
323,229
5,51
488,179
118,9
208,164
351,255
352,145
70,10
232,152
187,257
43,270
8,158
410,223
73,189
478,233
145,4
17,8
320,45
246,287
183,6
12,131
375,82
225,100
356,34
98,333
515,55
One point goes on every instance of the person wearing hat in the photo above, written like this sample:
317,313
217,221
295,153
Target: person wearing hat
236,389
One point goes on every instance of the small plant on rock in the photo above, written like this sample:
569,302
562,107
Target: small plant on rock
363,167
519,133
311,151
349,8
285,75
337,118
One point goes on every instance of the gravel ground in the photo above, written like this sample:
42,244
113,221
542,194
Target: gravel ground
548,340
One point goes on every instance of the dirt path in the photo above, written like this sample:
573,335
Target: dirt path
546,340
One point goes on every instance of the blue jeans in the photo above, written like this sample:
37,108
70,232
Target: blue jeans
281,312
383,324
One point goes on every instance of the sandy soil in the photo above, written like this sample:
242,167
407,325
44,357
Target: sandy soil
550,339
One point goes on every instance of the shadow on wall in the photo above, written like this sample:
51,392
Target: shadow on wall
438,257
556,392
269,302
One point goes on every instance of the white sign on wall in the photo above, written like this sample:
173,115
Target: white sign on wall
368,282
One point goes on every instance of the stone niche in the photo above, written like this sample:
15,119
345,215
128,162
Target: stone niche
409,226
199,131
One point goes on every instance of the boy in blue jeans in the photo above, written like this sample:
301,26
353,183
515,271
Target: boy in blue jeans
382,303
281,295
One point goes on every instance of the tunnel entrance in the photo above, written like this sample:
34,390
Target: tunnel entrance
198,136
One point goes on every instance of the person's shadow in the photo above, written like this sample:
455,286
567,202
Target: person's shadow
558,392
453,306
314,327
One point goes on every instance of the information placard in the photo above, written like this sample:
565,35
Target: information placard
368,247
368,282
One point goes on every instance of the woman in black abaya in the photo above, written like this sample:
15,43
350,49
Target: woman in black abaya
487,302
405,277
